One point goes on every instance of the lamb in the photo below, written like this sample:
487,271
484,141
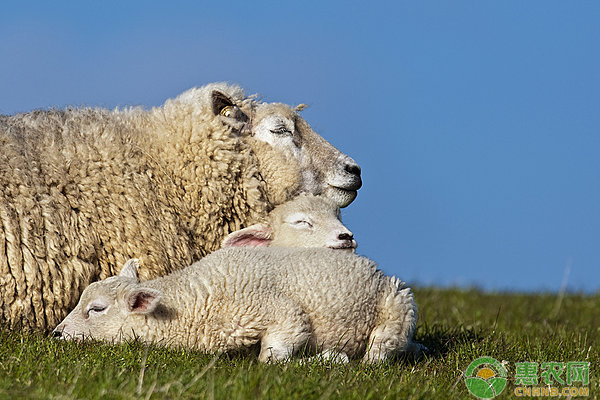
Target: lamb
285,299
305,221
82,190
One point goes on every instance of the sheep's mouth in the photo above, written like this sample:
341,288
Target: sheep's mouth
348,182
341,196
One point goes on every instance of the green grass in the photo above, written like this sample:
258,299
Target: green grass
458,326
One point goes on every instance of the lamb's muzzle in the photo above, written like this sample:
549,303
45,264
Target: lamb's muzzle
346,241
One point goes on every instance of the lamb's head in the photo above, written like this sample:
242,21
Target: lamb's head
107,307
306,221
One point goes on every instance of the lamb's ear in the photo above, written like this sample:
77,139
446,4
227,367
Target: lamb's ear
130,269
252,236
142,300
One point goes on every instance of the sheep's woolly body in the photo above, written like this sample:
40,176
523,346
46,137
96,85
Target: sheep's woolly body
236,297
83,190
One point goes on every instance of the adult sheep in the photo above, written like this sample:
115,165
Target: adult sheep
82,190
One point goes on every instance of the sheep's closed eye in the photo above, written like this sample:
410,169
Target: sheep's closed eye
280,130
302,223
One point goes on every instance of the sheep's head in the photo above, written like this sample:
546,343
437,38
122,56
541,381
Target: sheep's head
106,307
292,157
306,221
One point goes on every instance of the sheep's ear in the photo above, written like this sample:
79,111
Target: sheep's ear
252,236
230,113
300,107
142,300
130,269
220,101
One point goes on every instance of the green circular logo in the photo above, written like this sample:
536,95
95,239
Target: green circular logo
485,377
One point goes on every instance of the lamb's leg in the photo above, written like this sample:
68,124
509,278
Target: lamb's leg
397,322
288,332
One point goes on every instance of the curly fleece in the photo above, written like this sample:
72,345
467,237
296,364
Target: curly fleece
84,189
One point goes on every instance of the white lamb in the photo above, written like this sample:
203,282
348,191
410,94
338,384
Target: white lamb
286,299
306,221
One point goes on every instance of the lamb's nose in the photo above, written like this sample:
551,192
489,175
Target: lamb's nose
56,334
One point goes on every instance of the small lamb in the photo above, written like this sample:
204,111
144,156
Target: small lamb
286,299
305,221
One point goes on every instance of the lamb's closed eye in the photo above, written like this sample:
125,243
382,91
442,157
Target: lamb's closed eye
306,221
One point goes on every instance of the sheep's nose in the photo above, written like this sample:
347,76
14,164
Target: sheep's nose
56,334
346,236
354,182
352,168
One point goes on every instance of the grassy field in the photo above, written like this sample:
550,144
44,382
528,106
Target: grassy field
457,326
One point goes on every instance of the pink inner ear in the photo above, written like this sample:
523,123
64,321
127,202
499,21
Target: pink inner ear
141,302
247,241
252,236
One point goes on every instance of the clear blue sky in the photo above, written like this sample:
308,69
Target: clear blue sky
476,123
